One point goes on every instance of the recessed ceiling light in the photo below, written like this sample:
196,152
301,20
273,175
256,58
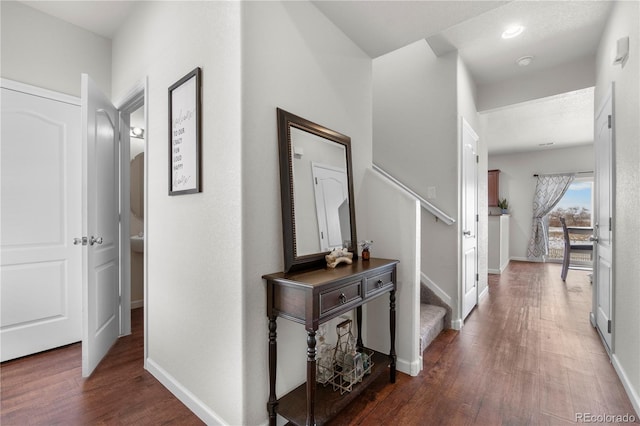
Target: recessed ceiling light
513,31
524,61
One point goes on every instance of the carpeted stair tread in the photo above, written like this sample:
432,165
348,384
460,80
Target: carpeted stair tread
431,323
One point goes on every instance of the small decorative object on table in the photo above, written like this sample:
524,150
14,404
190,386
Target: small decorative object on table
504,205
338,256
366,245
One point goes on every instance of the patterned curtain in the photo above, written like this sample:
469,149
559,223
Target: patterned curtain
549,191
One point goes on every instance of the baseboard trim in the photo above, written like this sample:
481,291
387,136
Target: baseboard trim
135,304
626,383
504,266
179,391
524,259
483,293
410,368
456,324
437,290
500,270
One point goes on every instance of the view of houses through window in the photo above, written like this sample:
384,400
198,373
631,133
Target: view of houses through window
576,206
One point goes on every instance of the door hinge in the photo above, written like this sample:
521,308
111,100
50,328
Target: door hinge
321,235
477,218
477,158
610,227
316,181
609,326
477,277
609,120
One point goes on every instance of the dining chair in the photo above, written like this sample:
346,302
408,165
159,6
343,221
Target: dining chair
569,247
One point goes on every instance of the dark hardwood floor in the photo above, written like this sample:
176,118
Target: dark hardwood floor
48,388
526,355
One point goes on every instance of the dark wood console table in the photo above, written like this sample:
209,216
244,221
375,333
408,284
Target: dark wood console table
313,297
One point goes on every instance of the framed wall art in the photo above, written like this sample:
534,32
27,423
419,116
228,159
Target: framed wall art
185,144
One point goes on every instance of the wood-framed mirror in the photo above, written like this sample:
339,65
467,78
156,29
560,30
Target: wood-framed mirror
316,186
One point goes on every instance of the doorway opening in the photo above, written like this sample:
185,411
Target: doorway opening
136,211
133,204
576,207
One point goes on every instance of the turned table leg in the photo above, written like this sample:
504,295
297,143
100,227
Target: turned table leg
359,344
272,405
311,377
392,329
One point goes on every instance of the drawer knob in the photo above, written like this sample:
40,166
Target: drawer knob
379,284
342,298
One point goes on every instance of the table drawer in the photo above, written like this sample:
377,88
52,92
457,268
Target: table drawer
341,296
379,282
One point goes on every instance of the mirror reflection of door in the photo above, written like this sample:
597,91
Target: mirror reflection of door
319,231
332,205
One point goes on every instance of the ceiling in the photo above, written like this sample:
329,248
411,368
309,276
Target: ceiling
556,32
554,122
100,17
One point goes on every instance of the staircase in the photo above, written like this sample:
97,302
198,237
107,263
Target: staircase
431,323
435,316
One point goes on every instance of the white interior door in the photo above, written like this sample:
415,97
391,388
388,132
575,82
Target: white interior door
41,198
469,224
332,205
101,289
603,223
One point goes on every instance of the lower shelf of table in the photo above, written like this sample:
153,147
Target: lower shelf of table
293,406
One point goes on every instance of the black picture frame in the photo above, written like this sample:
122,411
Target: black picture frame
185,134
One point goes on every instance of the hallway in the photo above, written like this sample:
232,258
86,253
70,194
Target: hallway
526,355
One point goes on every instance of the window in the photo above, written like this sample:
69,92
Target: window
576,206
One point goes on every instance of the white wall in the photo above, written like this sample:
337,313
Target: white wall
624,21
415,121
537,84
295,59
399,238
195,293
518,185
44,51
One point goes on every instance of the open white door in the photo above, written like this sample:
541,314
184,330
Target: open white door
469,225
101,287
603,222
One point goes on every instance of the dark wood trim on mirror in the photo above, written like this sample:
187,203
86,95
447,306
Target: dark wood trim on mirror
286,120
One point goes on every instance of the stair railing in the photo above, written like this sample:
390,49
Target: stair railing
439,214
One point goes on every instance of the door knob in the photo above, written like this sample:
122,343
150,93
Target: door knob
78,241
594,239
466,233
93,240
